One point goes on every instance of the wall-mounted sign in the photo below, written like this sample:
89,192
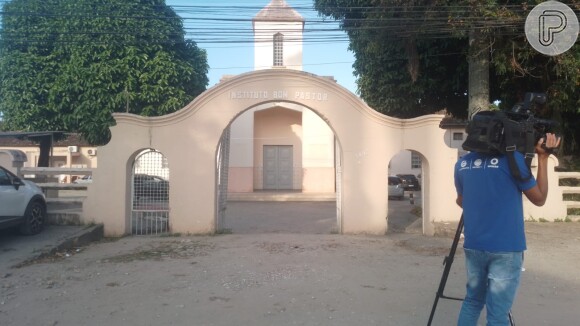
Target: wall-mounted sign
278,95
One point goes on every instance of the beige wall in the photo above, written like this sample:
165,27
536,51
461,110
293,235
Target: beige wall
366,138
318,174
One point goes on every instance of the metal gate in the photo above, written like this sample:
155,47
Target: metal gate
150,194
223,160
338,182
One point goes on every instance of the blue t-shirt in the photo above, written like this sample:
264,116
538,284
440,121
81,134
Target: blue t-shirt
493,211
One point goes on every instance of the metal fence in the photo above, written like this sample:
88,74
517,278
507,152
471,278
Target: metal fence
150,194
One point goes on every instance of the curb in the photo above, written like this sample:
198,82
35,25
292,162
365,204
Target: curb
79,239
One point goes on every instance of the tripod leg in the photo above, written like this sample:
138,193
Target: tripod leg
448,261
433,311
511,317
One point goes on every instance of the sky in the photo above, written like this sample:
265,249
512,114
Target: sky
224,29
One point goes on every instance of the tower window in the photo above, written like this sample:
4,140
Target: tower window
415,161
278,49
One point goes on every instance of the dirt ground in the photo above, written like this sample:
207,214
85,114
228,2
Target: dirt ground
278,279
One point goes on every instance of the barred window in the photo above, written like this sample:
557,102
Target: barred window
278,49
457,136
415,161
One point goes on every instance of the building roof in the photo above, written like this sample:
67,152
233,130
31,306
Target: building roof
278,10
452,123
27,139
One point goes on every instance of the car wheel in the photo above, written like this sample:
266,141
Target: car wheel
34,218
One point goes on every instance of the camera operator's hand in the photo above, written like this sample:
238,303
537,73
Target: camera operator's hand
547,145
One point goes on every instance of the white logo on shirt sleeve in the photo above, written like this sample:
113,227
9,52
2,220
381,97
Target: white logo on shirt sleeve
493,163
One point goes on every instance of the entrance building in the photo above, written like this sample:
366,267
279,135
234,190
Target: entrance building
279,129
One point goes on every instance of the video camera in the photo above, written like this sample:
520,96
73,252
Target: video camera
504,132
500,132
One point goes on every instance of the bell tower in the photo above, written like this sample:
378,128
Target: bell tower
278,32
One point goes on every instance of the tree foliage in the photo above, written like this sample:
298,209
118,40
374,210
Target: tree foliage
402,69
68,64
411,57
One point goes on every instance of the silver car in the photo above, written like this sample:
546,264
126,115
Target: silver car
396,188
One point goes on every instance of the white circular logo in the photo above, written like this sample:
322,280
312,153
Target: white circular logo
477,162
463,164
494,161
551,28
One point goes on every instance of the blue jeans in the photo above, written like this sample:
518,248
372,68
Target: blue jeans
492,280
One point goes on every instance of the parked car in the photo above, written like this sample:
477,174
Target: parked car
396,188
84,179
150,186
410,181
22,204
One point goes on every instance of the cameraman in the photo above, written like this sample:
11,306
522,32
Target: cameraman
491,198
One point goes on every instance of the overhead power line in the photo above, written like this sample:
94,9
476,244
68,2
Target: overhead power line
231,26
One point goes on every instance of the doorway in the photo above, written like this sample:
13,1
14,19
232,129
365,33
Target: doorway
278,167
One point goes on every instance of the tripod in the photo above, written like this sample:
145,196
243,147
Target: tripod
447,262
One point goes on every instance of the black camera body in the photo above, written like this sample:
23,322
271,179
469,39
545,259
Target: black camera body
500,132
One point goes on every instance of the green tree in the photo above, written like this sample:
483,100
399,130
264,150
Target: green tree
402,68
397,43
68,64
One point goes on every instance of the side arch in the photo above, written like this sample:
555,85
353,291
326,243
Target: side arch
150,184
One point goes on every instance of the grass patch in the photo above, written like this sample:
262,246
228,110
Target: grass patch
417,211
170,235
573,211
570,182
570,163
542,220
164,250
571,197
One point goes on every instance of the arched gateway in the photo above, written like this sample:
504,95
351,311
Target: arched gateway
190,141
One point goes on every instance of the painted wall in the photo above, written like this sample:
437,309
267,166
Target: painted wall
318,174
241,158
401,163
365,154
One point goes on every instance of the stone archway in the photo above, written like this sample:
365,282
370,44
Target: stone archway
306,172
189,139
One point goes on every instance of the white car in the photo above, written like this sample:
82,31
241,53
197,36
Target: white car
22,204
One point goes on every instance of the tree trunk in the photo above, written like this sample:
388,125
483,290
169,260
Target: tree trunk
45,145
478,60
